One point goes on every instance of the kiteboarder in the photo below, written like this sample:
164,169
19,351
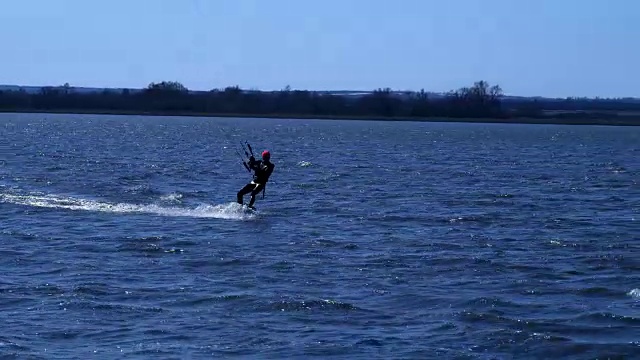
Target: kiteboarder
262,171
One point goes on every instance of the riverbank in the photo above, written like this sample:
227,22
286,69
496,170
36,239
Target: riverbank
611,121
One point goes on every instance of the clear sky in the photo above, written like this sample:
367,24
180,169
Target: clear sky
528,47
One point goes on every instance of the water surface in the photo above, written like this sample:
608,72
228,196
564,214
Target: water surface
119,236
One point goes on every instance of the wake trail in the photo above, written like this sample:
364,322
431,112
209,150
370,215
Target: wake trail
232,210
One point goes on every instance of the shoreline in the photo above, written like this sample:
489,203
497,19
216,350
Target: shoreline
602,121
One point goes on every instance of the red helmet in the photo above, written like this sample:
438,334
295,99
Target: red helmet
266,154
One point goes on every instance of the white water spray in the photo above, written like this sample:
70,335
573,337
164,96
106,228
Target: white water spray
231,210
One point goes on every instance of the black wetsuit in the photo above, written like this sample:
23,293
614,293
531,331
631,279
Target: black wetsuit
263,170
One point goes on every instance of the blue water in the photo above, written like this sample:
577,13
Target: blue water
120,238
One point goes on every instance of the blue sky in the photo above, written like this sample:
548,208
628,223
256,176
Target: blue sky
543,47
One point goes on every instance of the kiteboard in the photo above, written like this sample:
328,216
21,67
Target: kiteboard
251,209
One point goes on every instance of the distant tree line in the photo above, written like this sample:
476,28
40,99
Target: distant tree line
481,100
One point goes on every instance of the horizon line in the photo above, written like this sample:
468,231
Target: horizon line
442,93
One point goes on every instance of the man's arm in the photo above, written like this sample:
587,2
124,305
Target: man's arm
253,164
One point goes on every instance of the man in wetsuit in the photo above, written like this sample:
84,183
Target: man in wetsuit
263,169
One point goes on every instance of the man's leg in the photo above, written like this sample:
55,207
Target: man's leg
245,190
255,192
